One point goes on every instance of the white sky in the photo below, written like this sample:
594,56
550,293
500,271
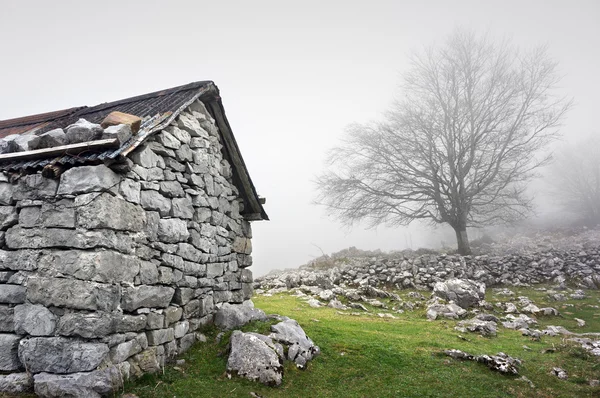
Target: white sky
291,74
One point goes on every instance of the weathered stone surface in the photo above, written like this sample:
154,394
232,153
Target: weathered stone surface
146,296
148,273
73,294
252,358
16,383
60,354
83,131
153,200
84,179
484,328
182,208
301,348
173,314
35,186
8,217
452,311
12,294
39,238
9,345
160,336
168,140
6,193
107,211
122,351
242,245
96,384
186,342
172,230
21,260
147,360
49,139
86,325
6,319
121,131
181,329
129,323
145,157
104,266
171,189
465,293
130,190
155,321
230,316
35,320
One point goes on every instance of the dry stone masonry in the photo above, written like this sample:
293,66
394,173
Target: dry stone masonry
106,275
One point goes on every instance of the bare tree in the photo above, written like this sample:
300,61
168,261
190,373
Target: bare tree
575,178
458,147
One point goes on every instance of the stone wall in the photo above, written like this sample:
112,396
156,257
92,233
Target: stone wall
104,275
581,267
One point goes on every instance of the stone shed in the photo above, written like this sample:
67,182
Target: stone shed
123,227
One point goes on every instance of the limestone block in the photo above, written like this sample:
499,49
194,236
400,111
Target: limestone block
214,270
34,186
166,139
16,383
183,295
182,208
6,193
129,323
12,294
181,328
223,296
242,245
152,200
9,345
35,320
122,351
9,217
173,314
21,260
39,238
84,179
186,122
121,131
160,336
104,266
96,384
147,360
184,154
59,214
171,189
83,131
60,355
148,273
173,261
49,139
107,211
6,319
145,157
74,294
86,325
172,230
146,296
130,190
189,252
254,358
155,321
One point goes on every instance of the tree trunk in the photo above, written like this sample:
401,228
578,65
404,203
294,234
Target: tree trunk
463,241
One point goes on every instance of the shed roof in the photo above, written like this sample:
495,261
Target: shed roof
157,110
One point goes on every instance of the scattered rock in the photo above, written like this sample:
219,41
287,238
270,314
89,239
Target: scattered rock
451,310
253,358
499,362
301,348
465,293
560,373
484,328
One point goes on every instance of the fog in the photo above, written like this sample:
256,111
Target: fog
292,76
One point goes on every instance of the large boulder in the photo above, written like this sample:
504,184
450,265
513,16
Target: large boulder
85,384
60,355
301,348
465,293
254,358
231,316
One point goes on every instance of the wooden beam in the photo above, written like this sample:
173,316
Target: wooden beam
71,149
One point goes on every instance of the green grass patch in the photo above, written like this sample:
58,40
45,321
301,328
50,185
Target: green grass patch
368,356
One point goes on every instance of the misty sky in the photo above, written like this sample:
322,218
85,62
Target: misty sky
291,74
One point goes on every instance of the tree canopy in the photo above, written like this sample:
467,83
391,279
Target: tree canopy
457,147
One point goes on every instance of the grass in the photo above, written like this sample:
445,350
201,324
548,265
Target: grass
368,356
